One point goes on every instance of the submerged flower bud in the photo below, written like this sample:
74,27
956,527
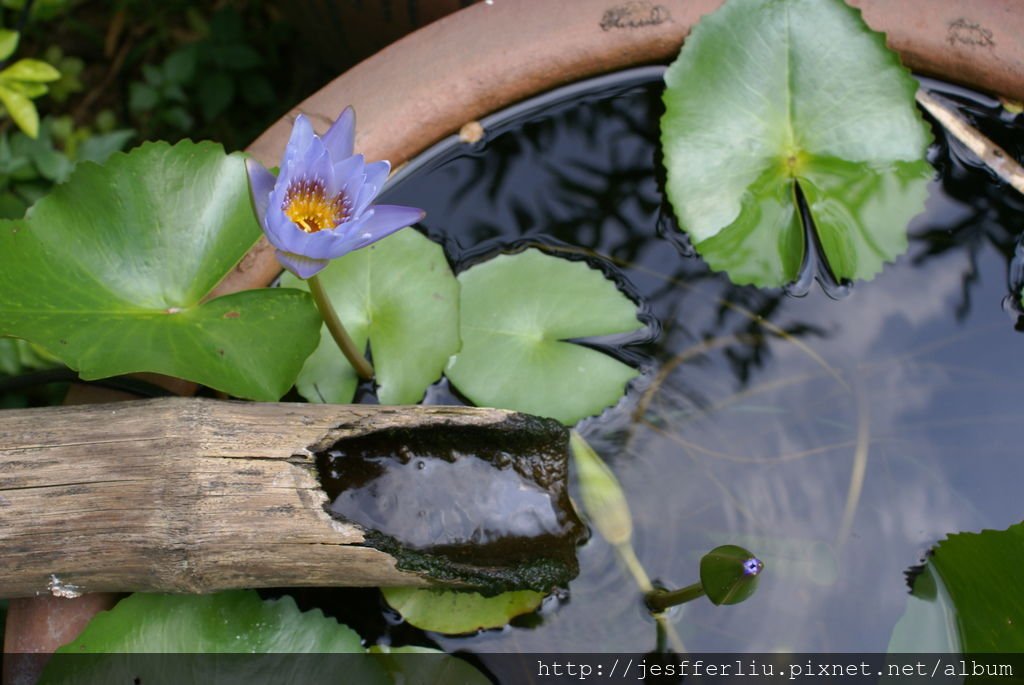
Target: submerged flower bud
319,206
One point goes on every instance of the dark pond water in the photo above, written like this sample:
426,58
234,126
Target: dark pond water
836,438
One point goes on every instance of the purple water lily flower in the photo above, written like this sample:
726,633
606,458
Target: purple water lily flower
318,208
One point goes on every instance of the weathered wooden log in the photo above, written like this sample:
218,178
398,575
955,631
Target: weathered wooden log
194,495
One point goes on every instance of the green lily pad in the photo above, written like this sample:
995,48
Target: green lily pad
237,621
978,574
400,294
767,96
197,627
519,314
457,613
109,272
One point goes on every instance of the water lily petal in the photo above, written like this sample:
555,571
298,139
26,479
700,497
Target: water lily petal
299,141
283,234
376,173
300,265
318,165
261,185
340,137
380,222
348,174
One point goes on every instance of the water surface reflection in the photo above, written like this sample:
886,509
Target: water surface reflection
837,439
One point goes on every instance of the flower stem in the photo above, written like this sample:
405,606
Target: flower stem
660,600
338,332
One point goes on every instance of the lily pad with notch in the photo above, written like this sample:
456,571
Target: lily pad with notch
520,316
109,274
401,296
969,590
459,613
776,105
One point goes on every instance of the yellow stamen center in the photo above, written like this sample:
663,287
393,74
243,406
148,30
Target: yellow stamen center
307,204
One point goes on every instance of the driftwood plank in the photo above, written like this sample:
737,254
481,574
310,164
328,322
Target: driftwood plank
187,495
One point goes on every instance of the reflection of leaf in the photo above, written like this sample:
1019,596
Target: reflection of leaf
929,622
456,613
401,295
109,273
792,93
980,575
518,314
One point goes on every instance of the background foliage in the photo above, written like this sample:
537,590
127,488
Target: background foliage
134,70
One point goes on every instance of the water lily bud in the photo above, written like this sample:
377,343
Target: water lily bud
603,500
729,574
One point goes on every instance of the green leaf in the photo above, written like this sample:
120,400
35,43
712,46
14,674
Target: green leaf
180,66
11,206
603,498
457,613
99,147
18,356
198,625
109,271
29,89
979,575
235,56
177,117
142,97
51,164
215,91
400,294
8,42
33,70
768,95
21,110
225,622
518,314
